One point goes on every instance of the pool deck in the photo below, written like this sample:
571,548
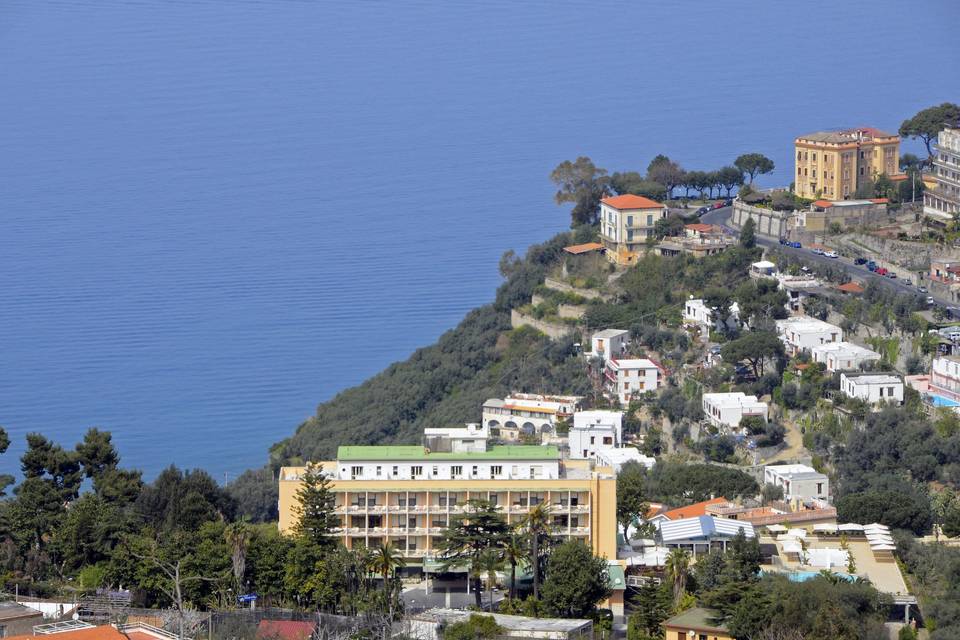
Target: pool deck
884,574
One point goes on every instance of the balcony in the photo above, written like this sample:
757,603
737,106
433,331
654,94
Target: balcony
579,531
580,508
415,553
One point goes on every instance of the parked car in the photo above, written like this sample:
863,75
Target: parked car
922,290
728,202
891,274
860,261
717,205
702,210
784,241
931,301
880,271
796,245
871,266
831,254
817,251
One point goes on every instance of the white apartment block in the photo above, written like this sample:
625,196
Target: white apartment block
799,482
593,431
695,311
801,333
527,414
470,439
633,377
609,344
942,202
873,388
727,409
843,356
945,377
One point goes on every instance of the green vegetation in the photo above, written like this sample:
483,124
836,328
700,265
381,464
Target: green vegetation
927,123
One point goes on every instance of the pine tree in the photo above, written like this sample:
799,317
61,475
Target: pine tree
315,509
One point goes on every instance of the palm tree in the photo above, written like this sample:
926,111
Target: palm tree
537,524
237,537
677,566
386,559
489,563
513,553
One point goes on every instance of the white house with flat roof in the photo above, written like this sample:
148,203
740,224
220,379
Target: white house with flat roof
696,312
727,409
843,356
609,344
799,482
469,439
593,431
630,378
763,269
873,388
616,458
801,333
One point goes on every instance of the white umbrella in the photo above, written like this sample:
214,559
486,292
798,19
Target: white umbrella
882,547
826,528
851,526
792,546
776,528
798,533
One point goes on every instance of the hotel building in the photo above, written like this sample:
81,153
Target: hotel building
831,165
942,201
408,495
527,414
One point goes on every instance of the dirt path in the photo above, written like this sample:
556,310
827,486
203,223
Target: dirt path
794,448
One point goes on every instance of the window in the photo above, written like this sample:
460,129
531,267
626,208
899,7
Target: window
456,470
649,220
475,470
412,501
436,470
592,439
356,472
607,440
379,471
629,221
496,470
412,522
416,471
494,499
396,470
442,501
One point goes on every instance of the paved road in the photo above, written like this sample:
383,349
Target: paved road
722,215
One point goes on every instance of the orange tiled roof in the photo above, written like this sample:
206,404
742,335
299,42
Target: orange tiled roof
823,204
879,200
103,632
693,510
630,201
898,177
285,629
702,228
577,249
850,287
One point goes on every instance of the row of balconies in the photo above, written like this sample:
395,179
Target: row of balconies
425,531
459,508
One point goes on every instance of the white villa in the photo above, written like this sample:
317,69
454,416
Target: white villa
470,439
843,356
726,409
632,377
616,458
873,388
799,482
696,312
527,414
801,333
593,431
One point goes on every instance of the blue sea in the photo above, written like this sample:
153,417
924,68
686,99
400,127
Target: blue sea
215,214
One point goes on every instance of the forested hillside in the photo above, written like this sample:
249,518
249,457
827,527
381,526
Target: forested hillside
446,383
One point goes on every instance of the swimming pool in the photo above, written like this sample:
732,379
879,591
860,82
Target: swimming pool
940,401
803,576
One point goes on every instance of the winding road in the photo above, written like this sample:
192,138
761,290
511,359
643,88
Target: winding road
721,216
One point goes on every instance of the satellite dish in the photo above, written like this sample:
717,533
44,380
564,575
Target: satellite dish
75,616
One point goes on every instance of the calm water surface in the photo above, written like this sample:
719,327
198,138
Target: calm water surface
216,213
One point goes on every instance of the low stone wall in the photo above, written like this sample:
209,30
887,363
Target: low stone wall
518,319
536,299
590,294
769,222
574,311
914,256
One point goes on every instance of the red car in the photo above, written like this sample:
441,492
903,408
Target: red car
881,271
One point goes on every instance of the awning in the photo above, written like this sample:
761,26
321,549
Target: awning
825,528
776,528
850,526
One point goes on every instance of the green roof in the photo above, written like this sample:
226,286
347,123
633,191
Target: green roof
617,579
699,619
399,453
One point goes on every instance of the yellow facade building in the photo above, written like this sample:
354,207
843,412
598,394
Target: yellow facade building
408,495
626,224
831,165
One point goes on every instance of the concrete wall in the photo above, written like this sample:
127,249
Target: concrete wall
518,319
574,311
769,222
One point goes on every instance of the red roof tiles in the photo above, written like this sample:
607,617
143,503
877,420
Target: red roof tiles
630,201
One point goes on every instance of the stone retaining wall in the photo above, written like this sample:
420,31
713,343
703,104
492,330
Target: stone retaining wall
769,222
518,319
574,311
590,294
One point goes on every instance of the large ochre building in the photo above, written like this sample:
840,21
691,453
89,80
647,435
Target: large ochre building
831,165
408,494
